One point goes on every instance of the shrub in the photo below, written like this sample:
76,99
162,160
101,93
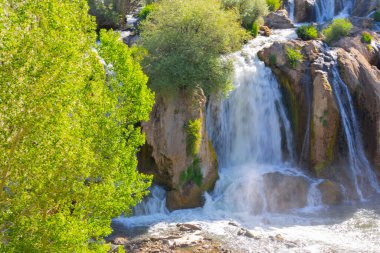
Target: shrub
366,37
249,10
108,15
273,5
307,32
376,16
338,29
294,56
255,29
145,11
193,173
185,53
194,136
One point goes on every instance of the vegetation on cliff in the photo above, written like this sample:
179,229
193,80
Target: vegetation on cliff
249,10
184,53
307,32
338,29
68,137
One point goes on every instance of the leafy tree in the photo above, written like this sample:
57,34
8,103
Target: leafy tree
249,10
185,52
274,5
67,138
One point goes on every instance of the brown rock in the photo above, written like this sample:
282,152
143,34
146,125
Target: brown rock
285,192
265,31
364,7
278,20
165,155
304,10
331,192
324,125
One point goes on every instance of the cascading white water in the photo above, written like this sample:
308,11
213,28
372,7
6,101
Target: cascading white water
250,131
153,204
363,177
326,9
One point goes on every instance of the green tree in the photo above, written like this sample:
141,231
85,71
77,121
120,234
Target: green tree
68,135
185,52
249,10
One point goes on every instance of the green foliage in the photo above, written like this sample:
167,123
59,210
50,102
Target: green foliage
108,13
273,5
255,29
294,56
307,32
145,11
185,52
68,136
249,10
366,37
193,173
376,16
338,29
194,136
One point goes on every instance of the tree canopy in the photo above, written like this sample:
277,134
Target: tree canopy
185,39
68,135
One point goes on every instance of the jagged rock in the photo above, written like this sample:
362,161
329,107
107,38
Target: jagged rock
363,80
285,192
331,192
265,31
325,123
278,20
304,10
165,153
188,227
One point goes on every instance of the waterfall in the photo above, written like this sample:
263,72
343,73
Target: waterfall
362,176
253,140
326,9
155,203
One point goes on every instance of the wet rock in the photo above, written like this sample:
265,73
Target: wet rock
364,7
165,153
285,192
120,240
304,10
265,30
188,227
331,192
246,233
278,20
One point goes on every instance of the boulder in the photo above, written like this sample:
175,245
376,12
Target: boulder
165,153
278,20
285,192
364,7
265,31
304,11
331,192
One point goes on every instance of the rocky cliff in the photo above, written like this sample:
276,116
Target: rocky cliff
178,152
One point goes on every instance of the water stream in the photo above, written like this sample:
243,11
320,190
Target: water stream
259,186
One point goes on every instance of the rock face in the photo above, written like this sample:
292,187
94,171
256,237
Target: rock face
304,10
331,192
166,153
285,192
358,69
278,20
364,7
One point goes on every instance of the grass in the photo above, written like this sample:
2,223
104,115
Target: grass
294,56
307,32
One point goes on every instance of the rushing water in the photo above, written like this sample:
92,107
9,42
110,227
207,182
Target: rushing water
250,131
362,176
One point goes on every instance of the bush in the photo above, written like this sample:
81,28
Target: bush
255,29
366,37
107,13
194,136
294,56
273,5
376,16
338,29
307,32
249,10
193,173
185,53
145,11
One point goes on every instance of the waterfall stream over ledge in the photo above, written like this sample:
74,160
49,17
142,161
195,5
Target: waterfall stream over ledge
260,188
